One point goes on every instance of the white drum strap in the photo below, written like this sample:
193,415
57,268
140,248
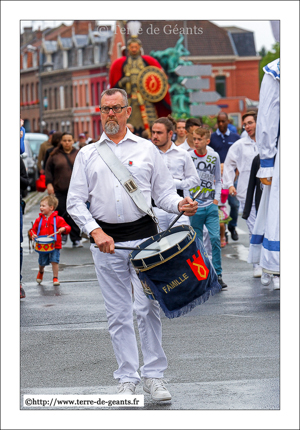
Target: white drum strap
124,177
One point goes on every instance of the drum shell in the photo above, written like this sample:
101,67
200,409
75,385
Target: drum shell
44,246
183,280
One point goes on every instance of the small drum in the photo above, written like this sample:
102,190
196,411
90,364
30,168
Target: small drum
178,273
44,244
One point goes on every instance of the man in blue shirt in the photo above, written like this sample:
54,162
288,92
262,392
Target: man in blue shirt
220,141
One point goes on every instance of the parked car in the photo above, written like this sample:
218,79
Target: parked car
30,161
35,140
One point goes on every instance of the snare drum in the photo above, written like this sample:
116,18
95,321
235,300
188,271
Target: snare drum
178,273
44,244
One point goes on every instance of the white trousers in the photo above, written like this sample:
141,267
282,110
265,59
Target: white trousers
250,221
117,277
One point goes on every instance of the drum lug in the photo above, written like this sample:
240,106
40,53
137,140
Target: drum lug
161,257
178,246
144,264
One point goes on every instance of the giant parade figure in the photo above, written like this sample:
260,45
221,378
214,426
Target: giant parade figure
144,80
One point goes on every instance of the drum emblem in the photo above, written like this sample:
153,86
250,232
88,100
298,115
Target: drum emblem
198,267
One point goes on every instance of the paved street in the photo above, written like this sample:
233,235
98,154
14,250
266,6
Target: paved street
224,355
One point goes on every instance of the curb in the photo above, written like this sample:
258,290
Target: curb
33,198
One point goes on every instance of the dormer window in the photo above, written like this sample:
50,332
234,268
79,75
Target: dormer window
79,57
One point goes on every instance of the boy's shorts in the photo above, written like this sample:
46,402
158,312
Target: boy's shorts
49,257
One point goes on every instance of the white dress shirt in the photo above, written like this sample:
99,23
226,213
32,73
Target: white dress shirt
239,156
181,167
94,182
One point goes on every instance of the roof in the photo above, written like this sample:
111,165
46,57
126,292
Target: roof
203,37
243,42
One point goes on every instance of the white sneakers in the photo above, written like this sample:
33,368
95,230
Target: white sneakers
276,282
156,388
126,388
257,271
153,386
265,279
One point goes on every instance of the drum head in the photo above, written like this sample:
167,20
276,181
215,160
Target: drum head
175,240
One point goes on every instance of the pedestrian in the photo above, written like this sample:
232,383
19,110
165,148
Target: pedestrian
180,132
22,137
42,151
224,217
265,241
190,125
113,217
58,174
131,128
81,141
180,165
209,171
240,157
47,223
24,182
56,138
88,138
231,126
220,141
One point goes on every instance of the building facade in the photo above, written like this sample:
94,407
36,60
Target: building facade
70,77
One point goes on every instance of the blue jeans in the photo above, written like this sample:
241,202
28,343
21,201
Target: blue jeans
234,209
209,216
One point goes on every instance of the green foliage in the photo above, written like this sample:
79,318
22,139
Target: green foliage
268,58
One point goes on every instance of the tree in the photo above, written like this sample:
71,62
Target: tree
262,52
268,58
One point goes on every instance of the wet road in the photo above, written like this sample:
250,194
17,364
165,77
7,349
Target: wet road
224,355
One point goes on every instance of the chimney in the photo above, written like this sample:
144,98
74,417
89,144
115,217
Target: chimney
39,34
27,35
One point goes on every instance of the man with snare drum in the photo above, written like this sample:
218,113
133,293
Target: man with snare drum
114,217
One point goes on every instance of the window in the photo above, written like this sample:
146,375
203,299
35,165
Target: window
98,93
62,97
25,61
50,100
22,94
93,95
79,57
87,94
32,92
221,85
55,99
76,95
27,93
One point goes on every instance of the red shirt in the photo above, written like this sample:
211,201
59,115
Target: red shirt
47,227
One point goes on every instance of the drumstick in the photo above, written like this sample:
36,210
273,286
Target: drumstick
177,218
49,235
133,249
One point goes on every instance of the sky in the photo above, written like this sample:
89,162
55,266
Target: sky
263,35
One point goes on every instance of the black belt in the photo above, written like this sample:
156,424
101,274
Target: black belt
179,192
122,232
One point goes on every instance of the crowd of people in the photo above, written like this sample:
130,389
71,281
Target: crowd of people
177,160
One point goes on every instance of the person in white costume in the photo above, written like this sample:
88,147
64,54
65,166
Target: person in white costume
113,217
179,164
240,156
190,125
265,242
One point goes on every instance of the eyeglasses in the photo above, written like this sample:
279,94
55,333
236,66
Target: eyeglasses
248,123
115,109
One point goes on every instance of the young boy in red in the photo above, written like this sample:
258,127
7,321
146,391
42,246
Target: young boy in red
44,226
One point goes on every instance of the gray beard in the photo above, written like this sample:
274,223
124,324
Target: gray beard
111,128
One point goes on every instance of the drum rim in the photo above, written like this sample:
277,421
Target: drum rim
144,260
51,239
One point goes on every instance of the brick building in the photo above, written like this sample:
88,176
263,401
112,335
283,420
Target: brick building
71,75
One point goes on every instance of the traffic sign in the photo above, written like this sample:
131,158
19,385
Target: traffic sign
193,70
208,96
204,110
196,84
